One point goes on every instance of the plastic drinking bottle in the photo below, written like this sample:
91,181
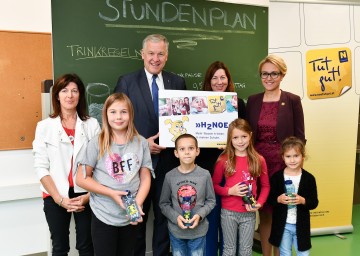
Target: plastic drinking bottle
290,191
132,209
249,198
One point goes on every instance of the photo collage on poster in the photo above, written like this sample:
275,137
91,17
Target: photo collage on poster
194,105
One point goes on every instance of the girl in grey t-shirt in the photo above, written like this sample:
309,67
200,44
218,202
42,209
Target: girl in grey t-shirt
113,162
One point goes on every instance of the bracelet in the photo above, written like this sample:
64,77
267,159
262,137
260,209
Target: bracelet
62,199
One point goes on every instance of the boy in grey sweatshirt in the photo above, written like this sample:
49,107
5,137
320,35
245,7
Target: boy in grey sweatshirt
187,197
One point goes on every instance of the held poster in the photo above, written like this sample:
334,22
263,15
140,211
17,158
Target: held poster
206,115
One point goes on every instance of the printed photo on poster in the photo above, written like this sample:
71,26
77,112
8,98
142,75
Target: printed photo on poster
206,115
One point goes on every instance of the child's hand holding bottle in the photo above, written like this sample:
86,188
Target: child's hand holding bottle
239,189
181,221
253,208
195,221
286,199
249,199
116,196
133,211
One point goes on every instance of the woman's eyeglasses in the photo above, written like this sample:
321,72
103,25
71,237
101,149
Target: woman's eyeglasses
273,75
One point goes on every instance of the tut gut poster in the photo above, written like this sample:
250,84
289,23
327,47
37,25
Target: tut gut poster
206,115
328,72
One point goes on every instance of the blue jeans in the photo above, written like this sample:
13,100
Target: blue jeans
288,240
187,247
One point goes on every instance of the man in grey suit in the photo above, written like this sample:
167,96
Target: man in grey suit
138,86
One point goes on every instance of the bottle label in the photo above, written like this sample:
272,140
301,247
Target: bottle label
132,209
186,196
292,196
249,199
187,214
133,212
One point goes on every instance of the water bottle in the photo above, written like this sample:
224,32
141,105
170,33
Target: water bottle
187,214
132,209
249,198
290,191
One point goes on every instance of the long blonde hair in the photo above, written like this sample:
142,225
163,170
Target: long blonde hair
106,134
229,156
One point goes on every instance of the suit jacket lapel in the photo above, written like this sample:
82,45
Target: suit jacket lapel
283,115
80,135
166,80
258,103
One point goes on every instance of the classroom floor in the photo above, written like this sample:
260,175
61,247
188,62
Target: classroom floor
330,245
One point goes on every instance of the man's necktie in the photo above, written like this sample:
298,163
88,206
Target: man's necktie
155,94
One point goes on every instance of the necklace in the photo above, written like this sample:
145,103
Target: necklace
69,122
69,131
71,137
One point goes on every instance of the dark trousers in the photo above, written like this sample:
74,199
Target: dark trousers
214,238
58,220
160,239
111,240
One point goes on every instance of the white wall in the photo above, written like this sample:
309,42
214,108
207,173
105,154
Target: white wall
23,228
25,15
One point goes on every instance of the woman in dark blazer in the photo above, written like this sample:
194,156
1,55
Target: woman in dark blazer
273,115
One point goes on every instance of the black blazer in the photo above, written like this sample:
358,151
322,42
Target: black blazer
135,85
290,119
308,190
241,109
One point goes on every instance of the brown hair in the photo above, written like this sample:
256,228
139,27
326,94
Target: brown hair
106,134
215,66
60,84
229,156
185,135
295,143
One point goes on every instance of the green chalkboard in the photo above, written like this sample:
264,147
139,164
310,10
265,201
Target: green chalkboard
102,39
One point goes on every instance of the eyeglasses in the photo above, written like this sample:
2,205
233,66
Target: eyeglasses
273,75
